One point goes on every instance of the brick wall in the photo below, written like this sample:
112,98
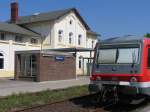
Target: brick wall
50,69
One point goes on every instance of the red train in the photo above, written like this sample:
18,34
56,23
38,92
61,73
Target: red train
121,66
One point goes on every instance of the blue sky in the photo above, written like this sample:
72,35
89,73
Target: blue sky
108,17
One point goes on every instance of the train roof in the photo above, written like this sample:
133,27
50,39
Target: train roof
124,39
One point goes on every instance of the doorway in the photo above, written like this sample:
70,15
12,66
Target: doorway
28,65
87,66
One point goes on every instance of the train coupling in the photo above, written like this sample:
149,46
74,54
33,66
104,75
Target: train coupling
109,94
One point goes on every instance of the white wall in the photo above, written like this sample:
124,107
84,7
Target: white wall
45,29
50,32
89,42
8,48
76,28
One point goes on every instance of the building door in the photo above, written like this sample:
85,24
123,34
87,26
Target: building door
87,66
28,65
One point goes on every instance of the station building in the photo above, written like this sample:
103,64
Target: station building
37,65
61,29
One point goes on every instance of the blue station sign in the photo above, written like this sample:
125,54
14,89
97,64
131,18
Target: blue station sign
59,58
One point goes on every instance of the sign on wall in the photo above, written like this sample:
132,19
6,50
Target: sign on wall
59,58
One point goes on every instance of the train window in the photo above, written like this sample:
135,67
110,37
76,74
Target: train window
118,56
148,58
107,56
128,55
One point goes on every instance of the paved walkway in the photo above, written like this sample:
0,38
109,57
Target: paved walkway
8,87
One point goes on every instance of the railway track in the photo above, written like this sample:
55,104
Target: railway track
82,104
100,109
35,107
54,103
39,106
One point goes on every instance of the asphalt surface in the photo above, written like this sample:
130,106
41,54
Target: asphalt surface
8,87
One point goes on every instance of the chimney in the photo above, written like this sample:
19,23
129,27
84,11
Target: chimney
14,12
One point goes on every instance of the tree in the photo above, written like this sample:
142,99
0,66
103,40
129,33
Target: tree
147,35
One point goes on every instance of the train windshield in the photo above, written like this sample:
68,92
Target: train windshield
118,56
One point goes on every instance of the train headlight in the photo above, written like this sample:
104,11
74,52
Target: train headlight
99,78
93,78
133,79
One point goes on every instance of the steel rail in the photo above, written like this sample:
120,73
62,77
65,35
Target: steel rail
53,103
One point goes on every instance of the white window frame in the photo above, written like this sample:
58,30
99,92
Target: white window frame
18,38
71,22
33,41
60,36
2,57
92,43
79,39
70,38
4,36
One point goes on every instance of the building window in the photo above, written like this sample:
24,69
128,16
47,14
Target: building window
70,22
70,38
18,39
80,63
1,61
2,36
60,35
79,39
34,41
92,43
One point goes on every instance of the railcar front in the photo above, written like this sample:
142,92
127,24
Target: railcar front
121,67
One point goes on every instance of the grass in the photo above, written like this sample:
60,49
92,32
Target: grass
14,102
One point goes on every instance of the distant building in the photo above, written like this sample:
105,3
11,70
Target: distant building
40,31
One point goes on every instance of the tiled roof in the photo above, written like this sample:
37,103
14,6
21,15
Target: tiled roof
13,28
49,16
